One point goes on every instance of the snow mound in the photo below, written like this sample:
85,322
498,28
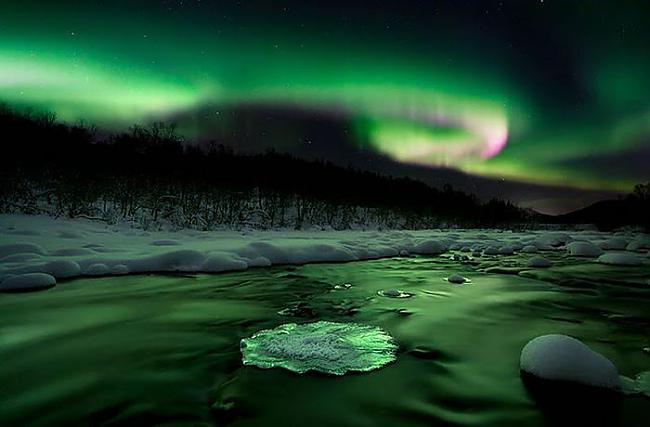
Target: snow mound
97,269
492,250
27,282
563,358
119,269
429,247
223,262
60,269
638,244
551,241
586,249
529,249
506,250
539,262
71,252
183,260
328,347
615,243
620,258
20,248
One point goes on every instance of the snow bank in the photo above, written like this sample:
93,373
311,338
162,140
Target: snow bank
27,282
66,248
429,247
563,358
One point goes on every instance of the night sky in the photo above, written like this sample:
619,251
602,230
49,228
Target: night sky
542,102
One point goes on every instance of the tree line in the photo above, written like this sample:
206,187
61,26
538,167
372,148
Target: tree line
151,175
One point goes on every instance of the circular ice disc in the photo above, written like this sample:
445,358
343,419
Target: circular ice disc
328,347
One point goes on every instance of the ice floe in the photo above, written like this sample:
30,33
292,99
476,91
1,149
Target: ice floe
327,347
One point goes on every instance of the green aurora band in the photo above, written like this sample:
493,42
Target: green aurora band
417,108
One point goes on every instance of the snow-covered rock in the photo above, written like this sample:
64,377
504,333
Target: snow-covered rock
539,262
27,282
615,243
639,244
119,269
585,249
620,258
551,241
506,250
457,279
394,293
563,358
492,250
97,269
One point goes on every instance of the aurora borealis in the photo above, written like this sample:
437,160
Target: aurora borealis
541,92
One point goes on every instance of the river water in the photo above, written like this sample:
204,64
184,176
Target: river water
164,350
